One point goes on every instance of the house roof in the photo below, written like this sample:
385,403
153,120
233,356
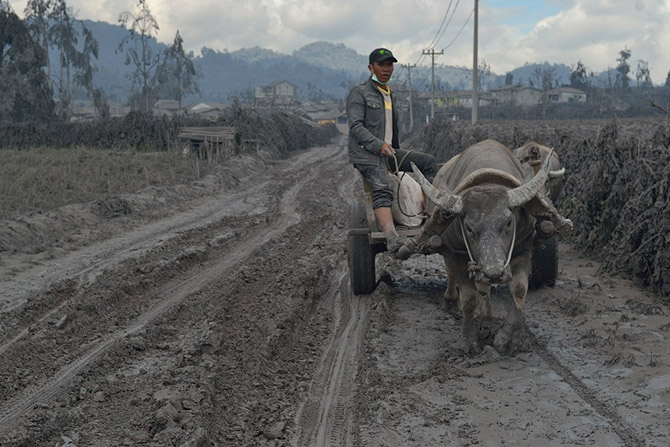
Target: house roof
514,87
275,83
566,89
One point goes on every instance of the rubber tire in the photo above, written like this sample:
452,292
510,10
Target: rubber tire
361,254
545,264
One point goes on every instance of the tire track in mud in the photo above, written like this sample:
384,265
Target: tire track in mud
626,433
16,407
326,417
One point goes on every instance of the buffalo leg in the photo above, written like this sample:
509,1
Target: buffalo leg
509,339
451,295
469,299
485,314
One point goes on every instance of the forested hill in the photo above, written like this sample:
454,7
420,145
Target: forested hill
224,75
320,70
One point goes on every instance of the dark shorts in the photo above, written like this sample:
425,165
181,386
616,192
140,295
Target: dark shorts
378,178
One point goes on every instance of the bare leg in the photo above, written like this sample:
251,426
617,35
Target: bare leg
385,220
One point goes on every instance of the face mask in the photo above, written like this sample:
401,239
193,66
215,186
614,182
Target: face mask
374,78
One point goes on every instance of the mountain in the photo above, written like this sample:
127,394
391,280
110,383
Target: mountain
320,70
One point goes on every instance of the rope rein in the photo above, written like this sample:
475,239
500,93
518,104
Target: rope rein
473,264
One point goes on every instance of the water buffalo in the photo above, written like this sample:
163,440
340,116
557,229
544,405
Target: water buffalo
486,217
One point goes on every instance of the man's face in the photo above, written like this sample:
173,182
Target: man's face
383,69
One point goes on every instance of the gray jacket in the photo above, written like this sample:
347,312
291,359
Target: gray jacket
367,124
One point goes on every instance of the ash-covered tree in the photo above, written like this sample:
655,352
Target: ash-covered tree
76,64
578,77
622,81
25,92
53,24
140,53
544,78
643,75
484,77
176,75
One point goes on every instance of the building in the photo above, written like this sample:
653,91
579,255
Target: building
279,94
517,95
454,98
210,110
325,112
563,95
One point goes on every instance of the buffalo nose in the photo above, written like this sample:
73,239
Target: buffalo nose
495,274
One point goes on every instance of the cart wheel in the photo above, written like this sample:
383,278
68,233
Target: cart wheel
361,254
545,264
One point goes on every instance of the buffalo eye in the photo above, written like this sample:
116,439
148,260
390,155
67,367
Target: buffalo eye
508,226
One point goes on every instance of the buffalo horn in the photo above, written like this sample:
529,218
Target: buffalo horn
556,174
521,195
450,203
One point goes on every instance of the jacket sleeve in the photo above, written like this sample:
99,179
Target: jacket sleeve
356,117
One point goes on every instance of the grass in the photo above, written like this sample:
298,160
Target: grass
41,179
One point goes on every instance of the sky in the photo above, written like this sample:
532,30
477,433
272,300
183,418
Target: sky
511,32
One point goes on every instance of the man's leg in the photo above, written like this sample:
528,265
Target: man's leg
382,199
425,162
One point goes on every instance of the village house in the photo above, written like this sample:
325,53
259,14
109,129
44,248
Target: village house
561,95
279,94
517,95
325,112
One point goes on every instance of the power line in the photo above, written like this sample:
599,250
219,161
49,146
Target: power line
439,32
460,31
450,17
442,27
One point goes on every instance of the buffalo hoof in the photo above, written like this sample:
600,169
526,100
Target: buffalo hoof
486,331
452,308
508,340
468,348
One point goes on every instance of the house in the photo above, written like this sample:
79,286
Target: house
211,110
454,98
279,94
517,95
562,95
321,112
166,107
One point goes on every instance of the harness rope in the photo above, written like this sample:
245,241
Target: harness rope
472,265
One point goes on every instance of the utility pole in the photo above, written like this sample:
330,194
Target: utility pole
409,90
475,81
432,86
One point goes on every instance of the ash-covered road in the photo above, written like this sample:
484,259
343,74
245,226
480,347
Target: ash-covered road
231,323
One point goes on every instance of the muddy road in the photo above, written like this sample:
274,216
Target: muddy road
228,321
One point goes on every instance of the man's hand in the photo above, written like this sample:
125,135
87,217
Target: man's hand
387,150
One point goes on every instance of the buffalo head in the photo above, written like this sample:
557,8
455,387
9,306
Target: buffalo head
489,218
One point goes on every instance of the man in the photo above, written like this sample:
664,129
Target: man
373,141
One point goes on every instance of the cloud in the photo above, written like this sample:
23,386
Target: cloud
590,31
594,32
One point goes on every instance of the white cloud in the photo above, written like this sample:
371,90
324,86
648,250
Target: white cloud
591,31
594,32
